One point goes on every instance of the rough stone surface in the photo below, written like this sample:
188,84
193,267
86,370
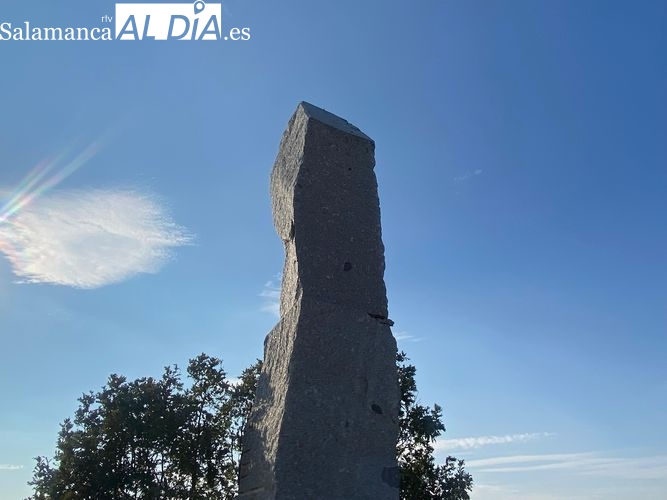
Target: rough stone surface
325,420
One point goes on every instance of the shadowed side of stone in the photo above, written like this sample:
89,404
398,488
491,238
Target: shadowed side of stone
325,420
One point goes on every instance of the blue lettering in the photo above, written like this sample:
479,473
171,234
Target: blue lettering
215,31
194,27
146,36
125,31
170,35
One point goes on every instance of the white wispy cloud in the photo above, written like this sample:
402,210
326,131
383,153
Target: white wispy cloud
532,460
406,337
89,238
597,464
271,295
10,467
514,492
479,441
468,175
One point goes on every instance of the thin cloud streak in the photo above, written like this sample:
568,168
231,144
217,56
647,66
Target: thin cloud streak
589,464
88,239
469,175
531,459
10,467
514,492
271,295
479,441
406,337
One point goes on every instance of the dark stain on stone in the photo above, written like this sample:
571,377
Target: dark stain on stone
376,409
382,319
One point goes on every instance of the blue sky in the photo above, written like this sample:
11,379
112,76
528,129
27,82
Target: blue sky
522,169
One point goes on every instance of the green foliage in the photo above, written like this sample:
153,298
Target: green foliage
152,438
421,477
158,439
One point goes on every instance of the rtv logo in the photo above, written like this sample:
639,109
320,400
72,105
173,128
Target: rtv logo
170,21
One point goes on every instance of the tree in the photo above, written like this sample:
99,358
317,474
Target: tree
152,438
158,439
419,426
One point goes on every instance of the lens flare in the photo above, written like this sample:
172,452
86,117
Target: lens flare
38,182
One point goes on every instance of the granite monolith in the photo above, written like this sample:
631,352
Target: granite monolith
324,423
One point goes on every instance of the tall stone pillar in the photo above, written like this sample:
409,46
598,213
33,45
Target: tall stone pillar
324,424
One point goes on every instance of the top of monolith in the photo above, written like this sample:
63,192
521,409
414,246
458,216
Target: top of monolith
323,116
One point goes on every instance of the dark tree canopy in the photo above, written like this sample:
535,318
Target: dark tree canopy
152,438
421,477
160,439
